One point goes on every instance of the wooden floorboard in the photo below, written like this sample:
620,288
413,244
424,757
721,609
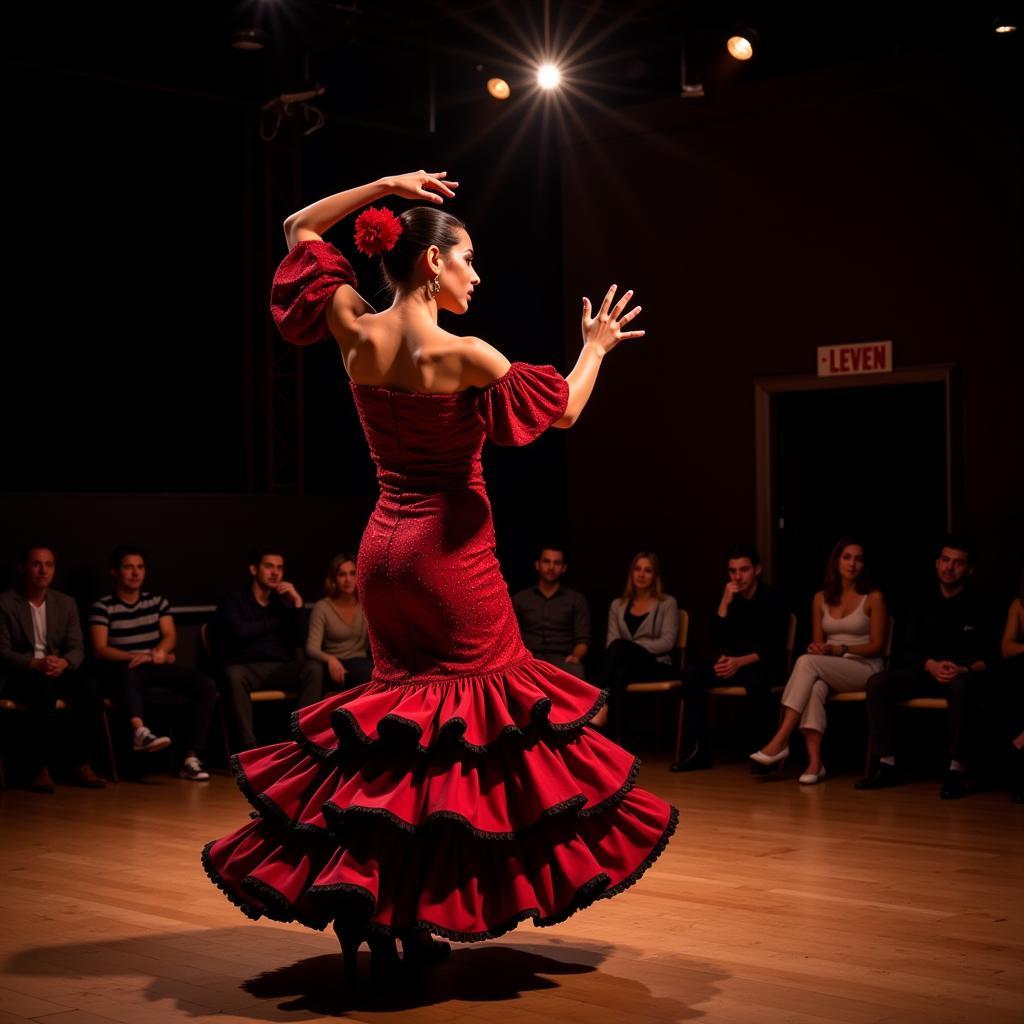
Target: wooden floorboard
774,903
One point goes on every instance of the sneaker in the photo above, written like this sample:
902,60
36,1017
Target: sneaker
193,771
146,741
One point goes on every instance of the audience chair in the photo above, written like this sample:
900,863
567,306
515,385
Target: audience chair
737,691
15,706
256,696
662,687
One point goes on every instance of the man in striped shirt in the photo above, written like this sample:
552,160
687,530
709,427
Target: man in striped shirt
133,640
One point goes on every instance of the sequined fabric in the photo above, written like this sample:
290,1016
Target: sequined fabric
461,789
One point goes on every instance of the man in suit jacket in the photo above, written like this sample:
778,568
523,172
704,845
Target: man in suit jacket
41,654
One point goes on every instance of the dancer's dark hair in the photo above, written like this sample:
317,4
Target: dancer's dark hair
422,227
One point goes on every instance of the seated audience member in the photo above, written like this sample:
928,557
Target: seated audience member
338,638
1011,675
850,620
133,640
947,649
259,629
643,628
748,635
554,620
41,654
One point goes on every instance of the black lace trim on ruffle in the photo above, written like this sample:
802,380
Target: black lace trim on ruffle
616,797
340,814
253,913
265,808
313,749
279,908
270,811
656,852
342,721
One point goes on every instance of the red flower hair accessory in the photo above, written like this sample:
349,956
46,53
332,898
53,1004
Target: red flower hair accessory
377,231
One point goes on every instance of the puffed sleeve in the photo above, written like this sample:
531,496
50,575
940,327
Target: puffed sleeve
303,285
517,408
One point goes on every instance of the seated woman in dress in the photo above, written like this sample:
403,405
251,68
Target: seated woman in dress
643,627
337,629
850,622
1011,675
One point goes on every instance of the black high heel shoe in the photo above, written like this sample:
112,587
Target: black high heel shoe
350,938
418,951
384,959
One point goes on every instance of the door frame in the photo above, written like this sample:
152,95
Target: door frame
765,391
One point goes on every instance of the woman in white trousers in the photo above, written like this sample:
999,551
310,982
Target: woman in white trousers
850,622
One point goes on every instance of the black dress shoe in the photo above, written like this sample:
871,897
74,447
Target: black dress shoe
883,776
694,760
954,786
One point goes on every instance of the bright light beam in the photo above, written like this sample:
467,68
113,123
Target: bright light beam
548,76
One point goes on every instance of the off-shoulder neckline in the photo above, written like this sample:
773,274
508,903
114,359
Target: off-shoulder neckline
434,394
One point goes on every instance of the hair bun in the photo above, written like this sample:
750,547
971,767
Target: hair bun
377,231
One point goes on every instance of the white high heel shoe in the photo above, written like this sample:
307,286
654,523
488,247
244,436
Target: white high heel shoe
769,759
809,778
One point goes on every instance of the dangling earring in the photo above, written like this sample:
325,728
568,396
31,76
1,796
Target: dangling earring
435,285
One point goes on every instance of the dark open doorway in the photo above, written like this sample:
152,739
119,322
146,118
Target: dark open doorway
868,456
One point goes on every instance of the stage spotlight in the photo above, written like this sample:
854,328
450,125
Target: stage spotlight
249,39
740,47
548,76
499,88
1004,26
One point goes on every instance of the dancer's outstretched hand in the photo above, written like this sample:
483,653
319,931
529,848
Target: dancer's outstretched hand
421,185
605,330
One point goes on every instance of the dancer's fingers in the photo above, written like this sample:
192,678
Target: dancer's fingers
586,307
608,300
621,304
623,320
626,335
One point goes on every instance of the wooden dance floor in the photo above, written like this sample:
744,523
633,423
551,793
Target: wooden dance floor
773,903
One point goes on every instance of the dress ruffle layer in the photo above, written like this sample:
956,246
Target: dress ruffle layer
464,805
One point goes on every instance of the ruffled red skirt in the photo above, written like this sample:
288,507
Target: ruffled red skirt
463,805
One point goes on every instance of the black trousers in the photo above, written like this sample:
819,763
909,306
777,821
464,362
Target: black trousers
627,662
40,694
964,695
1010,682
304,677
134,688
357,672
760,708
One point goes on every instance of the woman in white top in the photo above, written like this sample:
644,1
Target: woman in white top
337,629
850,622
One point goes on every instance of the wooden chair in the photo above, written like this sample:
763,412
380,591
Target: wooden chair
15,706
861,696
256,696
737,691
663,687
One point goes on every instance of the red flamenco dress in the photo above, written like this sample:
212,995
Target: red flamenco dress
460,790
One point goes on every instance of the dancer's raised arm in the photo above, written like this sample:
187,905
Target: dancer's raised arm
309,223
601,333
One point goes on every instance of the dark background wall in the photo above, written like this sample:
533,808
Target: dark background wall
875,202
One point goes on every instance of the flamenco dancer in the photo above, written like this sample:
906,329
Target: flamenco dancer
460,791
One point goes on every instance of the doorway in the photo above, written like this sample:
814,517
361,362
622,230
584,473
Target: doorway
866,456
